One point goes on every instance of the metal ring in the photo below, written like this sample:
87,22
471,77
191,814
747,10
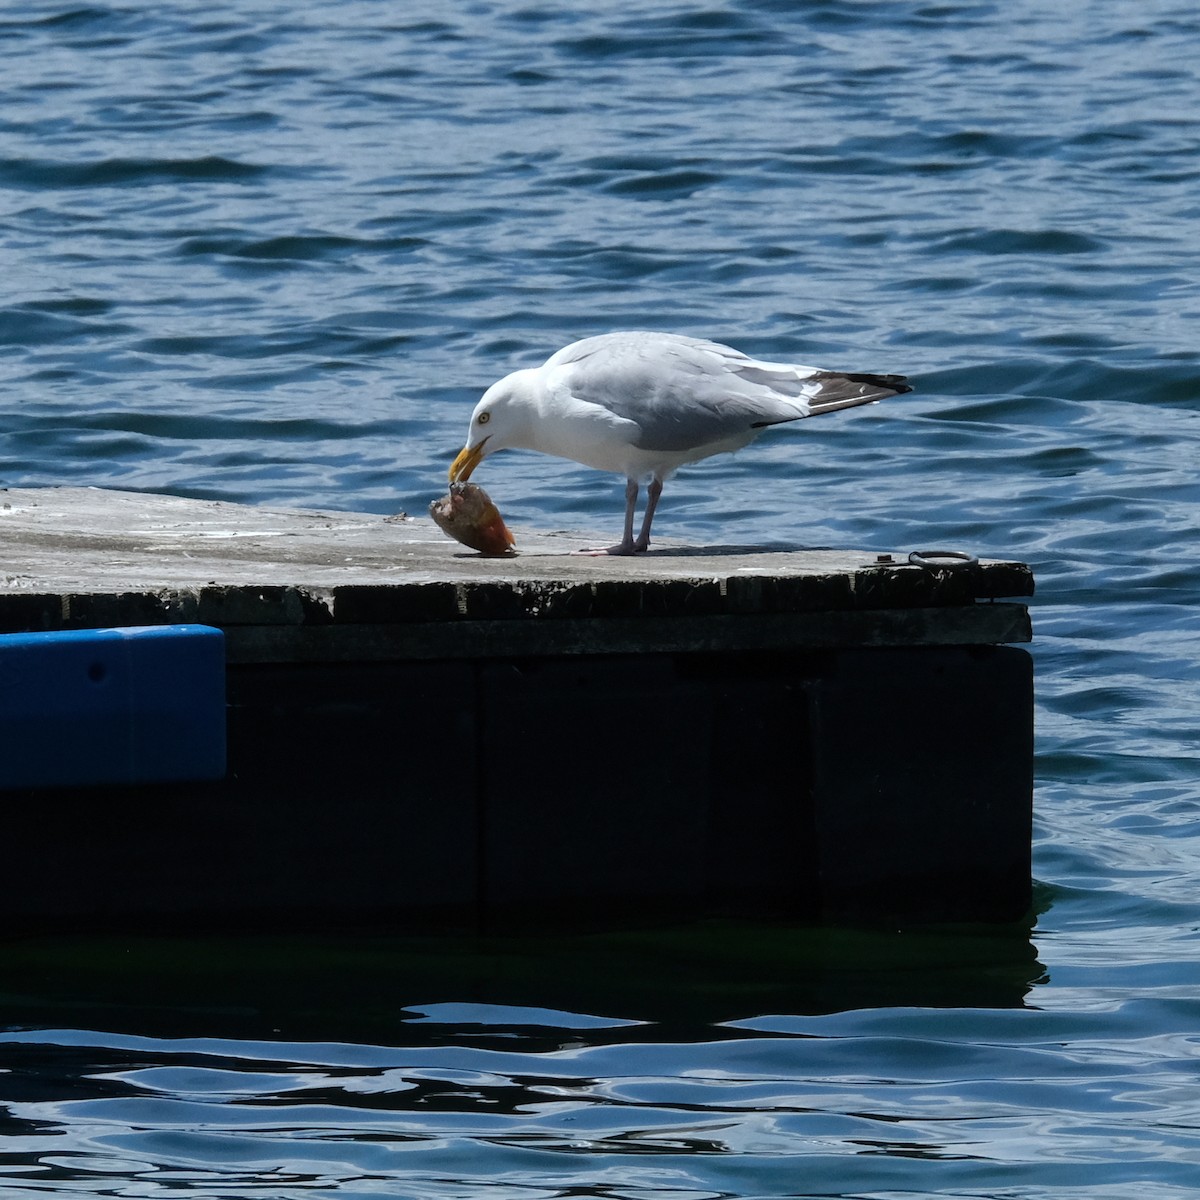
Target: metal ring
952,559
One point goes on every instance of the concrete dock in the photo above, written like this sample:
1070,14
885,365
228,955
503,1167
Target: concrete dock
288,585
426,738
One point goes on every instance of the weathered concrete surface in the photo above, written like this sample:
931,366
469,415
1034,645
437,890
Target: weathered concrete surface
291,585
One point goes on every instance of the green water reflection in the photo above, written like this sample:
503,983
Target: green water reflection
362,987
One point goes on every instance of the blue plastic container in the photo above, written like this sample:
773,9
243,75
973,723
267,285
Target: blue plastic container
109,706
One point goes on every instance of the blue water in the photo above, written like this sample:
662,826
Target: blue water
273,252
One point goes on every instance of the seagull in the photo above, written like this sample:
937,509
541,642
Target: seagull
644,404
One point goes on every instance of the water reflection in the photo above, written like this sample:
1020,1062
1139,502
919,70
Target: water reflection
686,979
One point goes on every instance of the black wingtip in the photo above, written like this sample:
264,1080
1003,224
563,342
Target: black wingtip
895,383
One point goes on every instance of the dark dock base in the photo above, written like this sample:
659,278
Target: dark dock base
420,739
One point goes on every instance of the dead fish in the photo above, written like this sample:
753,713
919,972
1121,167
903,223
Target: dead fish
468,515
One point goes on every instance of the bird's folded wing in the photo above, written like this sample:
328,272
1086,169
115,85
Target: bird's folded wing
682,398
683,394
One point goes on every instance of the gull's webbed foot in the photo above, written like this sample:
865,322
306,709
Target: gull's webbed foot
622,548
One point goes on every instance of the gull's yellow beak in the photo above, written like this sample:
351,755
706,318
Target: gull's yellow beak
469,457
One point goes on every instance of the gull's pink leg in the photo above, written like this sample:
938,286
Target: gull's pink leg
627,545
653,491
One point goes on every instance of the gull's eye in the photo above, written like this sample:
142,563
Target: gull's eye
484,418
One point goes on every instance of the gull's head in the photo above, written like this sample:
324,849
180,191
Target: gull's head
500,421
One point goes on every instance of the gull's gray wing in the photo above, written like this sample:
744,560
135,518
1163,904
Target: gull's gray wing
683,393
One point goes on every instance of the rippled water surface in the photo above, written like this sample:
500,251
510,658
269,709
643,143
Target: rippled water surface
273,253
